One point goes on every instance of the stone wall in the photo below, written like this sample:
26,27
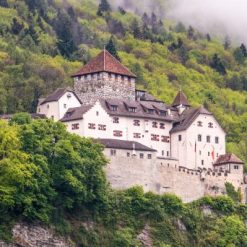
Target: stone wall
161,176
92,87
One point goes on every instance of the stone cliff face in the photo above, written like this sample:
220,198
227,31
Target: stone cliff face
35,236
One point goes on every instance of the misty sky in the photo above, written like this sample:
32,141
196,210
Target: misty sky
228,16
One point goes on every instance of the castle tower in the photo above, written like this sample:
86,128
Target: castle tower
181,102
104,77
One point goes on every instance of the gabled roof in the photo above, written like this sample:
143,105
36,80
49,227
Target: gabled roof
75,113
188,117
104,62
228,159
121,144
57,94
180,99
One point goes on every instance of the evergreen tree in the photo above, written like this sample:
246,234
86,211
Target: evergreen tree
63,28
121,10
136,29
145,19
104,6
208,37
16,27
191,32
227,43
243,49
146,32
154,24
4,3
110,47
217,65
239,55
31,31
180,28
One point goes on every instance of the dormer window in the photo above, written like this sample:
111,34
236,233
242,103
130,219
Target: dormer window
199,123
210,125
68,95
162,113
114,107
132,109
150,111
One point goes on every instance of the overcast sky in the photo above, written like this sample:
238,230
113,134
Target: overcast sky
228,16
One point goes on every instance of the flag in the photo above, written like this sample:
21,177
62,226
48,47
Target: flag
213,154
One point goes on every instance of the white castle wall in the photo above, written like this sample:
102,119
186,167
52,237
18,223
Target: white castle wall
165,176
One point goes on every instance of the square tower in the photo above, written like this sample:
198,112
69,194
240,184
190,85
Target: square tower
104,77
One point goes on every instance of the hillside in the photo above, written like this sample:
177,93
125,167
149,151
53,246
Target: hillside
43,42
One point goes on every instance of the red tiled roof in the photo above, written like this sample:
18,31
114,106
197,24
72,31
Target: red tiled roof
104,62
228,158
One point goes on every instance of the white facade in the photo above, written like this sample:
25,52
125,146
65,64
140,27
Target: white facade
97,123
57,108
201,144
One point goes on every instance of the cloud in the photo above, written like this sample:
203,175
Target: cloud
226,17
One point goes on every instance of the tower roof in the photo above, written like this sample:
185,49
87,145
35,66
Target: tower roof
180,99
104,62
228,159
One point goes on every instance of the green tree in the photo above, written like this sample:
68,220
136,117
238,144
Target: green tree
217,64
110,47
104,6
4,3
21,118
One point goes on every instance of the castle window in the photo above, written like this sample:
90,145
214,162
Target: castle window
208,153
165,139
38,109
97,113
68,95
102,127
162,126
150,111
52,117
115,77
202,162
155,125
208,139
109,76
199,138
91,126
136,122
167,153
163,153
210,125
149,156
122,78
200,152
128,154
155,137
179,138
75,126
141,155
48,106
98,76
117,133
114,107
132,109
115,120
129,79
162,113
137,135
216,139
113,152
236,167
64,106
199,123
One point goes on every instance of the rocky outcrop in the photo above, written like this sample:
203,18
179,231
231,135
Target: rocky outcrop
144,237
25,235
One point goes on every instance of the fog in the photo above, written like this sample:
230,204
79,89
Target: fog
225,17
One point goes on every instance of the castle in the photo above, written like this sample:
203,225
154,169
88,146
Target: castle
164,148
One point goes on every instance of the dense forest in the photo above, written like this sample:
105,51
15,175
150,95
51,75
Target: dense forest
55,178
